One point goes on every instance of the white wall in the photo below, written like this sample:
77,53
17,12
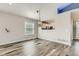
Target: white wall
63,25
16,26
62,32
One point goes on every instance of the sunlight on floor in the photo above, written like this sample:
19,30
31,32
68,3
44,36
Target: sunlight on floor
30,48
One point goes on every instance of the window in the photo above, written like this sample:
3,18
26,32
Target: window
29,28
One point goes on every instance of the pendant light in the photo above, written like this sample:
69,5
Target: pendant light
39,18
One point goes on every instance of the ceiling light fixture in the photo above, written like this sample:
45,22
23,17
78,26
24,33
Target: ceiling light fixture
10,3
38,12
39,19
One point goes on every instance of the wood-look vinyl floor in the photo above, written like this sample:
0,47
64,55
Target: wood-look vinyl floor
36,47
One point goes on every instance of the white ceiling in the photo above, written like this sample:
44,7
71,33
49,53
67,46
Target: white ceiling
29,9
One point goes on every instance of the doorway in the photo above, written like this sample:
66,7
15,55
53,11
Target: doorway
75,45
